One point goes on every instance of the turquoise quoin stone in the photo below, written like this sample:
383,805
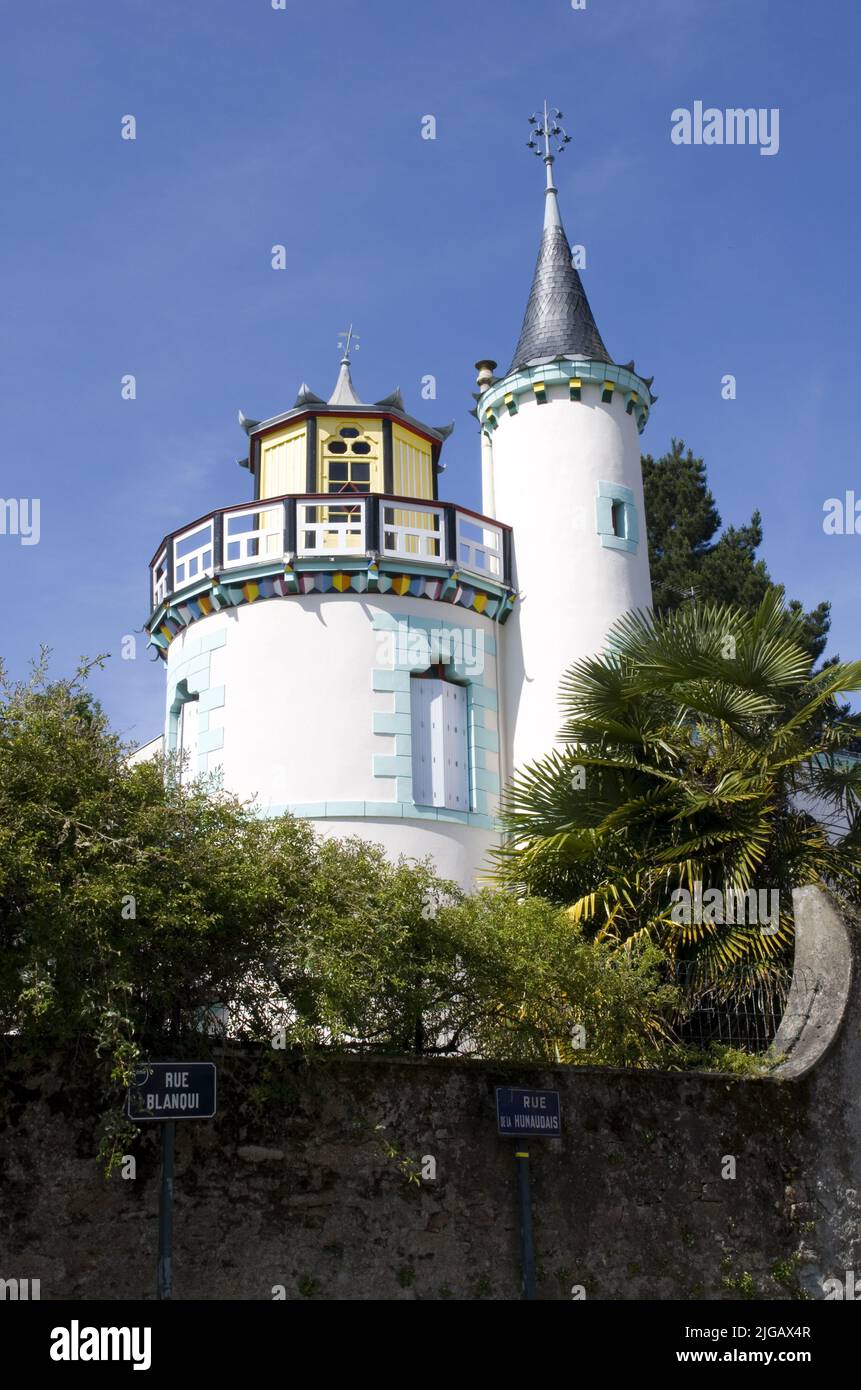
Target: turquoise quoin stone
191,677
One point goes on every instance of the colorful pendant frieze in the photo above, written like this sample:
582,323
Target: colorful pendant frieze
452,588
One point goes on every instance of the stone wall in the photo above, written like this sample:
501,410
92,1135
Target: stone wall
306,1179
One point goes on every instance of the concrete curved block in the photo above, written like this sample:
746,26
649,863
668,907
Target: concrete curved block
821,984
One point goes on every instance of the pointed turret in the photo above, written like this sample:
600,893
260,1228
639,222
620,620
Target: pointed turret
560,459
558,321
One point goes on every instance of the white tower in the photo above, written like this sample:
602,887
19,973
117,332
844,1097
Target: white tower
561,464
331,645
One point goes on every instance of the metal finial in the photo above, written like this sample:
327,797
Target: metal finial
550,135
348,339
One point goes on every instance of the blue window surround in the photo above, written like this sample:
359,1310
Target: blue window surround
608,494
190,679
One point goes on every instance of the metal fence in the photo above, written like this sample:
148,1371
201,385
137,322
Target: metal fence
741,1013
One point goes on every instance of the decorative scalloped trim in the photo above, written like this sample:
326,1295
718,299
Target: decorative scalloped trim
529,383
233,589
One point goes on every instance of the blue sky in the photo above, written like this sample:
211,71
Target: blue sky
303,127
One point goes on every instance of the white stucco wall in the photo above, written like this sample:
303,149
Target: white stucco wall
152,749
292,718
547,462
458,852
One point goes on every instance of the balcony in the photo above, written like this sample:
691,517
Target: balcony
317,530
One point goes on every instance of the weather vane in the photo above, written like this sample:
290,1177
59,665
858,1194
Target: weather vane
348,339
548,130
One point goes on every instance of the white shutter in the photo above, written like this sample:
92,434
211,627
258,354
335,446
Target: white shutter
420,709
437,742
455,748
440,747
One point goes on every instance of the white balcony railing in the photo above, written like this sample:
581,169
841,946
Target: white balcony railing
479,546
193,554
159,579
345,526
336,529
410,532
252,535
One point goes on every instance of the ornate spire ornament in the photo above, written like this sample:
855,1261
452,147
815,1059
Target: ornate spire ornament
548,130
348,339
344,392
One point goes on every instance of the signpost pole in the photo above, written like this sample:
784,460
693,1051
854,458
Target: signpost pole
183,1089
521,1111
527,1248
165,1212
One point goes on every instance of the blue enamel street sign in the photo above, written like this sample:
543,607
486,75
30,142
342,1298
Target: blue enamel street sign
172,1091
521,1112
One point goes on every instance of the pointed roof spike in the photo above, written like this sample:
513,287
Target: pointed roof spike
247,425
395,400
443,430
558,321
344,392
307,397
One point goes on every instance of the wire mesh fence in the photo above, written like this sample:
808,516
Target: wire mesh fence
741,1013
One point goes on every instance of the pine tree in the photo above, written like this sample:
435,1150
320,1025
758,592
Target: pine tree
688,562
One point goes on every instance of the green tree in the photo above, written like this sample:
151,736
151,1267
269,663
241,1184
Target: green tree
689,560
484,974
701,748
138,912
129,905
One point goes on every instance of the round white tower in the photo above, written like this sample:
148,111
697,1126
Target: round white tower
561,464
331,646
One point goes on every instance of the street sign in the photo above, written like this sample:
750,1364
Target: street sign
521,1112
172,1091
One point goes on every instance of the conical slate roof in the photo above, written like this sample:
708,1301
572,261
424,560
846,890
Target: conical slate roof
558,321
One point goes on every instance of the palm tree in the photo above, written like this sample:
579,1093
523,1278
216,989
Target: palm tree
700,752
